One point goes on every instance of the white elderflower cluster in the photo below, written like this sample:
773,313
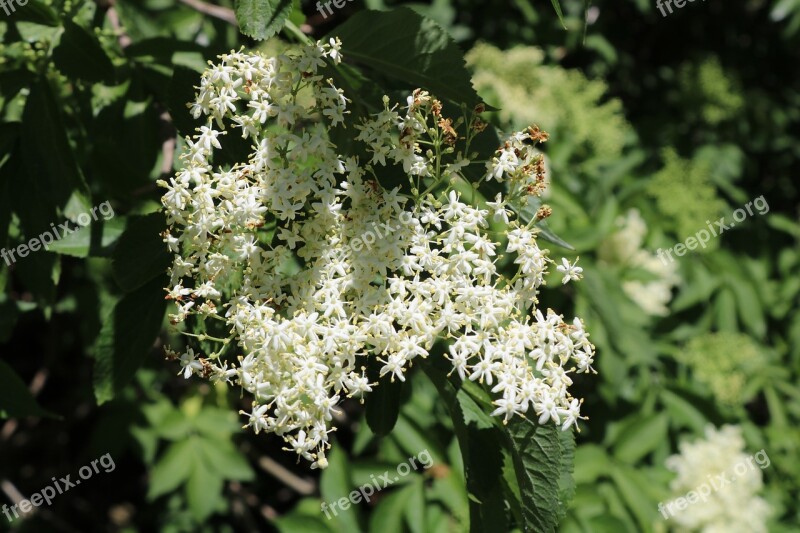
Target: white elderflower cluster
719,460
268,251
626,247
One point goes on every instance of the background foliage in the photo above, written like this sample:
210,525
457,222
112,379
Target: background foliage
657,124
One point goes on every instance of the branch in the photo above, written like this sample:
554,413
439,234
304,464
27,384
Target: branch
301,486
222,13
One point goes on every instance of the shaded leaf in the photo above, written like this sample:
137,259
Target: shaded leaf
79,55
127,337
16,401
383,403
141,254
408,47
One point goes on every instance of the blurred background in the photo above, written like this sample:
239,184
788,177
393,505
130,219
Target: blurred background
659,126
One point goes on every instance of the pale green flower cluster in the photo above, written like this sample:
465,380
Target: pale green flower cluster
625,247
725,363
270,249
563,102
706,85
684,192
719,461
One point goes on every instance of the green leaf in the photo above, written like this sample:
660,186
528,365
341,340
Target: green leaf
405,46
389,514
16,401
527,211
473,413
294,522
204,489
161,49
641,438
216,422
173,424
9,313
750,310
633,489
725,310
591,463
79,55
173,468
36,11
383,403
49,163
180,93
481,453
539,457
127,337
94,240
683,413
336,484
557,7
415,506
261,19
225,459
141,254
413,440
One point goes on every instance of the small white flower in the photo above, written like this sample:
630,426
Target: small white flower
190,364
498,207
571,272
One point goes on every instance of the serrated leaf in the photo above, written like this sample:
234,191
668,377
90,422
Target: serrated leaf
47,157
473,414
539,457
126,338
405,46
261,19
482,457
140,254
